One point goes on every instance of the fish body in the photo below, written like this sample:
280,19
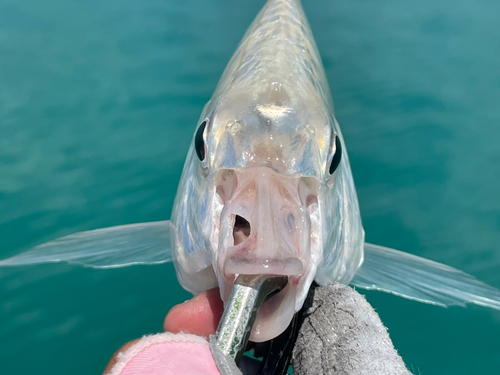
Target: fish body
267,189
268,139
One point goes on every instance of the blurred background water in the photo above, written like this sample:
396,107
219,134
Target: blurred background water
98,102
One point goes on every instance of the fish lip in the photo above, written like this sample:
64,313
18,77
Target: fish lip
277,303
288,266
293,282
292,267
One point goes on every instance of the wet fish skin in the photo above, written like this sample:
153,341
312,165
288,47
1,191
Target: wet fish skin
271,118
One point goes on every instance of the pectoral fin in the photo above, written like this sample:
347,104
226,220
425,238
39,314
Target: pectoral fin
420,279
120,246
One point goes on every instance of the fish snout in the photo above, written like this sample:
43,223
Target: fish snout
265,229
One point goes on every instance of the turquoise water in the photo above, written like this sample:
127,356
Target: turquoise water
98,102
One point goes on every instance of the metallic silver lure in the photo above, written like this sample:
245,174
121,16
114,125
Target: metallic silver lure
267,189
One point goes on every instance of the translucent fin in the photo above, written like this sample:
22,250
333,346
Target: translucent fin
420,279
120,246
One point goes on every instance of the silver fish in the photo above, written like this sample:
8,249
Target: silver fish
267,189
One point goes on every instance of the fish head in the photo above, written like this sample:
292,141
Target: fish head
261,192
267,157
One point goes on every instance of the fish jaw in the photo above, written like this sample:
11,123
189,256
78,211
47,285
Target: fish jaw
268,225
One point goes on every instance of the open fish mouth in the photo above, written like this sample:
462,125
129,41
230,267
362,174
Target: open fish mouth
276,311
265,230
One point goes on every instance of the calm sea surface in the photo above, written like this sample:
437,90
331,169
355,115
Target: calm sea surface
98,103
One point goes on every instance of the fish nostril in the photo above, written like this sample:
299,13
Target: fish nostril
311,199
226,183
241,229
308,191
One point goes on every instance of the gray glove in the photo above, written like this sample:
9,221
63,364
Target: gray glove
342,334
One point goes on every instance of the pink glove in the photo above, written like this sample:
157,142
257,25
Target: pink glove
167,354
175,351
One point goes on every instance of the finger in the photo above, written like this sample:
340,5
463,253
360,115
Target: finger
200,315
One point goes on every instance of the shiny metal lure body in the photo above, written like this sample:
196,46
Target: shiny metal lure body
247,295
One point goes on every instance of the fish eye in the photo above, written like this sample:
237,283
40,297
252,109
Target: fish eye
199,141
336,156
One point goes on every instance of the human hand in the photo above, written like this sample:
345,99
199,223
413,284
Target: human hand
198,316
358,343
